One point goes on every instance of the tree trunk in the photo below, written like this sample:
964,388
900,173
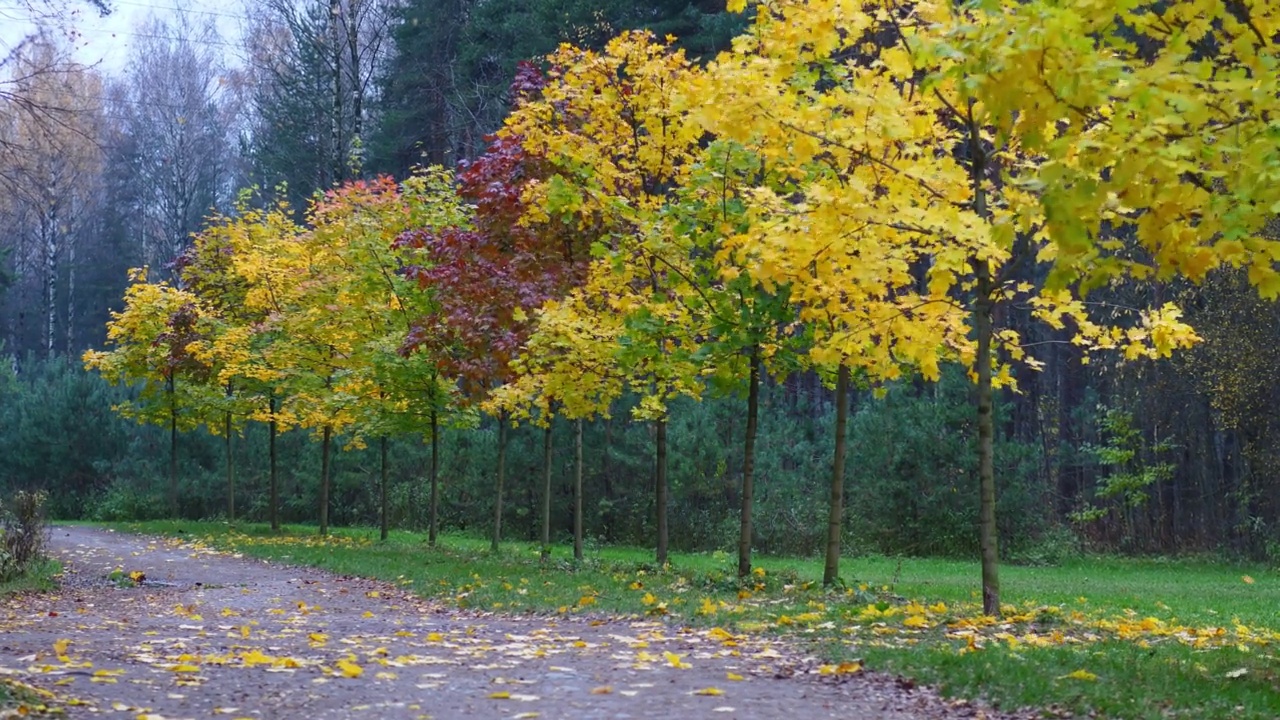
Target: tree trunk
835,510
545,554
502,471
173,446
577,494
231,462
983,311
335,130
353,74
660,483
71,298
382,489
748,464
435,479
273,429
324,479
50,234
231,469
986,451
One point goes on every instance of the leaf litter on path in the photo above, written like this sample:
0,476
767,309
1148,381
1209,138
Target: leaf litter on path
218,635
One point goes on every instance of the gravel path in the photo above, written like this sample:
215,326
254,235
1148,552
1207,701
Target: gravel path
214,635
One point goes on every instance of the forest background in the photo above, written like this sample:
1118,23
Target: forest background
103,173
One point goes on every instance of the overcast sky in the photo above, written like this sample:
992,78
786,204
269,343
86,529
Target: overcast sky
105,41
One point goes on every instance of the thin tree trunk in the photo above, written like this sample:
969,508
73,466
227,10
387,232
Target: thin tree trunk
983,309
353,73
577,494
71,297
231,462
660,483
986,450
382,489
545,554
502,471
173,446
748,464
835,510
51,282
324,479
231,469
273,429
339,161
435,479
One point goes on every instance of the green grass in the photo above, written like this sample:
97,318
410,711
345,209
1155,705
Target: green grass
1209,649
41,577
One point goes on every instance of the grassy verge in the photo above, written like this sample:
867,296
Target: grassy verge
1112,637
41,577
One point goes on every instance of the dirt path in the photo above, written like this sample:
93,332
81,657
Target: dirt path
209,634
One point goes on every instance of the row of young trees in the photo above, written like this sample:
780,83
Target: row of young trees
107,167
861,189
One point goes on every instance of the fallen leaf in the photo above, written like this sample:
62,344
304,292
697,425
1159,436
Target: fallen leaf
1238,672
709,691
500,695
734,676
349,669
602,690
1080,675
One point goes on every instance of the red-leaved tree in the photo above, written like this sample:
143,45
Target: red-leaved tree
488,278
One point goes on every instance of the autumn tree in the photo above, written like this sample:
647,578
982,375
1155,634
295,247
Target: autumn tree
175,114
153,338
918,163
610,123
50,174
236,349
489,274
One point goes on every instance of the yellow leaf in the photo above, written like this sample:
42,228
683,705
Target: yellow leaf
1080,675
736,6
185,668
648,599
1247,580
734,677
709,691
602,690
675,660
350,669
318,637
500,695
60,648
434,637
